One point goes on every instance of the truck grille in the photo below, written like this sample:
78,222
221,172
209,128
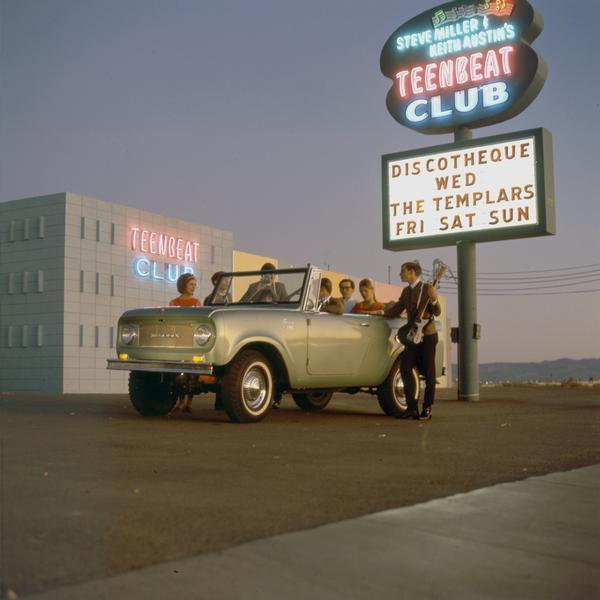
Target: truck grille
166,336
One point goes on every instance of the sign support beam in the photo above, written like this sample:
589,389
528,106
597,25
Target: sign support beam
468,363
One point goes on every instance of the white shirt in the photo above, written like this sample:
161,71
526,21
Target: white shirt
349,304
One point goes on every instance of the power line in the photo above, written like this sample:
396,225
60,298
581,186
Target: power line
576,267
539,287
574,279
454,292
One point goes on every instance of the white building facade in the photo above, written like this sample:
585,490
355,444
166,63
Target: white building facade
70,265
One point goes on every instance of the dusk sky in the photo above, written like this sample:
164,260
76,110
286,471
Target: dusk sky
268,119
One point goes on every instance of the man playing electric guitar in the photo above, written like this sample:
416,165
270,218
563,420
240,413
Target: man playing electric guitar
419,300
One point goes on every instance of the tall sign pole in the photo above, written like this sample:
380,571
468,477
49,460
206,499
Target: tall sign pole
466,261
461,65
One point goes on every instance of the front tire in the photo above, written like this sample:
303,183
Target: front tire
312,401
247,387
152,394
391,392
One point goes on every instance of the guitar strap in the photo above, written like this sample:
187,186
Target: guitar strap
414,311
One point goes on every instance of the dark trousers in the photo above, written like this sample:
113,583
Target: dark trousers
422,357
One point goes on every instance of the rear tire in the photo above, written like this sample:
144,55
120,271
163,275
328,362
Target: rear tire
152,394
312,401
247,387
391,392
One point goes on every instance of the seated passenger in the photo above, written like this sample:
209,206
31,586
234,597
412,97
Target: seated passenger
326,302
220,295
369,305
264,297
347,291
186,286
267,281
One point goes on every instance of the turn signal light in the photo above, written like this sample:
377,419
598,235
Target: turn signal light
198,359
123,356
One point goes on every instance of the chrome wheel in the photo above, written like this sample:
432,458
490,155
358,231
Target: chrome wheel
247,387
256,386
398,390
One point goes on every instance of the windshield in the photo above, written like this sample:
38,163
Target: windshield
263,288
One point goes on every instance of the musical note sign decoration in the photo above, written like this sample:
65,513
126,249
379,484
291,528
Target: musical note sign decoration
466,63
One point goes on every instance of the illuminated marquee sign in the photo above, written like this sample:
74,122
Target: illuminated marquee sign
464,64
494,188
161,245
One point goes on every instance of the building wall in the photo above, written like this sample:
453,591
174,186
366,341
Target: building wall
32,260
90,274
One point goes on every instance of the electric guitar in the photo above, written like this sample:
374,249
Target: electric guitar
411,334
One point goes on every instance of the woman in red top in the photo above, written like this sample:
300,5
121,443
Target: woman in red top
186,286
369,305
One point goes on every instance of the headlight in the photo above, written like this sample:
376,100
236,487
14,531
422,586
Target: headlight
202,335
128,333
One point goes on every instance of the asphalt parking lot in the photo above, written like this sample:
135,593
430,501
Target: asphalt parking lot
90,489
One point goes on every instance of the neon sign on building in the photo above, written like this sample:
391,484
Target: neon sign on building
463,64
161,246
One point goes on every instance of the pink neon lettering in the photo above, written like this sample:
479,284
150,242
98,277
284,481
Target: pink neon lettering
179,249
461,70
415,80
134,236
505,51
475,65
144,241
446,74
430,77
401,77
491,68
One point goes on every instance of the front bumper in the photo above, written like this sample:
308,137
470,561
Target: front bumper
159,366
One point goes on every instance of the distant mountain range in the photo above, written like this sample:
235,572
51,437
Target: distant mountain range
548,370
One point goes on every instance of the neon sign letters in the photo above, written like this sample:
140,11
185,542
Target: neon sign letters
152,269
463,64
161,245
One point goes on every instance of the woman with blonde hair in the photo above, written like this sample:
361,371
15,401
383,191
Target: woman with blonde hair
369,305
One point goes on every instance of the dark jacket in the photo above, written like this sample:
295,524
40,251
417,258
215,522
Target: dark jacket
408,302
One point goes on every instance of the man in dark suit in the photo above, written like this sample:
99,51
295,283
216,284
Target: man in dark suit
267,282
417,298
326,302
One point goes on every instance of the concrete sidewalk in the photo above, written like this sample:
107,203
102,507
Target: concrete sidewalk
537,538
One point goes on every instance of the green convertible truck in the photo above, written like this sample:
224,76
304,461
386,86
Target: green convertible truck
256,345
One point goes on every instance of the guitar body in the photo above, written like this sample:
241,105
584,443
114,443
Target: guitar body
411,334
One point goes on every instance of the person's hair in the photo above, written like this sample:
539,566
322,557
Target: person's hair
348,280
412,266
367,283
268,267
182,281
326,283
216,276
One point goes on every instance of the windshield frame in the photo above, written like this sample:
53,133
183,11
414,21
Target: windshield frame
233,274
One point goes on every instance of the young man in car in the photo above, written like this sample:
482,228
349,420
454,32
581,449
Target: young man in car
326,302
347,291
417,298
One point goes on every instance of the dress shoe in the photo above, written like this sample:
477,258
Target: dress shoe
409,414
425,414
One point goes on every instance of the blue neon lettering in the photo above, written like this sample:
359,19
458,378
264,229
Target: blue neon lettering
411,111
494,93
437,112
137,267
472,98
